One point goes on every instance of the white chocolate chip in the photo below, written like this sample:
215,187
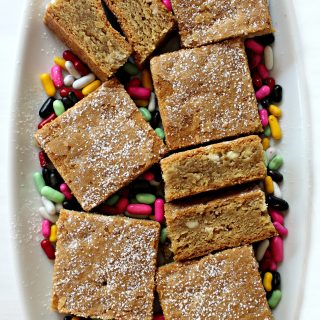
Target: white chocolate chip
213,157
192,224
232,155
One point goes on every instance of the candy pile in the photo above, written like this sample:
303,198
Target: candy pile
269,253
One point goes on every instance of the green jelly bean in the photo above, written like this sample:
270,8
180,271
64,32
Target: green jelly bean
38,181
58,107
145,113
275,163
159,132
146,198
267,131
130,68
113,200
52,194
163,235
265,159
275,299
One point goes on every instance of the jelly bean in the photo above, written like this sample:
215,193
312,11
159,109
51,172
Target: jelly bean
81,67
60,62
149,176
72,97
47,84
139,209
135,216
42,159
275,175
167,4
146,79
72,70
152,102
68,55
265,102
254,46
64,93
49,205
53,233
268,185
283,231
275,299
268,264
45,215
266,39
276,216
134,82
111,201
141,102
130,68
265,159
54,181
270,82
52,194
72,204
83,81
268,57
68,80
45,228
155,119
275,163
265,143
67,103
67,318
254,61
139,92
48,248
275,128
256,80
66,191
277,203
263,71
155,183
276,95
163,235
58,206
46,175
277,191
47,120
58,108
271,153
275,111
263,113
276,280
267,281
145,113
122,205
262,248
263,92
38,181
276,245
160,133
56,76
46,108
146,198
91,87
159,210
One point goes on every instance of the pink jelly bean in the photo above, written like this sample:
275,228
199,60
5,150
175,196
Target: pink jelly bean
134,82
276,216
56,76
263,92
263,113
254,61
140,209
66,191
139,92
283,231
149,176
159,210
267,254
254,46
167,4
122,205
46,228
263,71
158,317
276,245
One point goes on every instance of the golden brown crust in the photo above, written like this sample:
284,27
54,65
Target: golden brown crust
213,167
205,94
101,144
215,20
96,43
196,228
226,285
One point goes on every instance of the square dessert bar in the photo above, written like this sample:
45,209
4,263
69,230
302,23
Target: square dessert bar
226,285
105,266
203,22
146,23
83,27
205,94
201,226
213,167
101,144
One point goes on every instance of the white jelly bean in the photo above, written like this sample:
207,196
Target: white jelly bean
58,206
268,57
49,205
271,153
276,190
72,70
155,183
45,215
68,80
152,102
261,250
83,81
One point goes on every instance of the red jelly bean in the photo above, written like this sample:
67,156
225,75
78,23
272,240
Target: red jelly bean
139,92
48,248
254,61
270,82
42,159
68,55
149,176
121,205
276,245
257,80
65,91
134,82
263,71
81,68
47,120
254,46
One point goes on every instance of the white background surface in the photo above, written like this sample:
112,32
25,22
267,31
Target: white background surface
11,13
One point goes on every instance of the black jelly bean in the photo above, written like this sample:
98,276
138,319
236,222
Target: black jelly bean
72,96
265,103
275,175
276,280
276,94
277,203
72,204
266,39
68,318
154,122
47,108
268,294
54,181
67,103
46,175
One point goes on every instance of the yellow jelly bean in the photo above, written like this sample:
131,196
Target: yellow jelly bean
48,84
274,110
53,233
265,143
268,185
91,87
60,62
146,79
275,127
141,102
267,281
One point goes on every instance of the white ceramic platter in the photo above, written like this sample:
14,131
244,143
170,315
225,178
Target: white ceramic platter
38,46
